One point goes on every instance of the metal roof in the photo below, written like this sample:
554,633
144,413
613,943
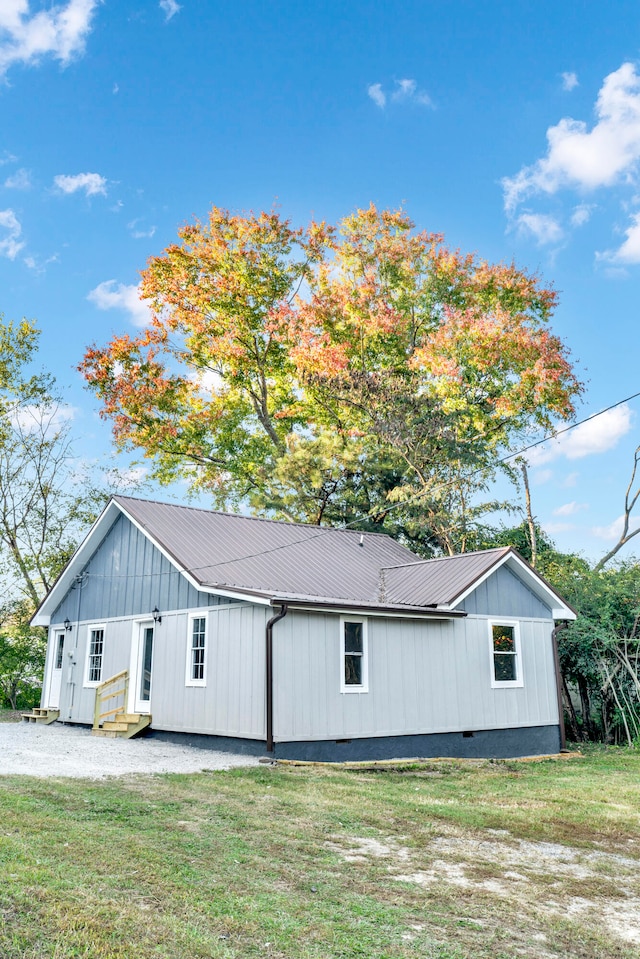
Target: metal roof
310,566
438,582
224,550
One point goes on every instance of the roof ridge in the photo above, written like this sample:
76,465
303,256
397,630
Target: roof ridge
458,556
261,519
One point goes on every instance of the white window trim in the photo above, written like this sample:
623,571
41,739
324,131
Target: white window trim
364,686
506,683
188,680
91,683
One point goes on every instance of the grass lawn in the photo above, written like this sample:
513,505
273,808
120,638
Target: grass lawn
444,860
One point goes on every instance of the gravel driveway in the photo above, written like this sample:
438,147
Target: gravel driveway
57,750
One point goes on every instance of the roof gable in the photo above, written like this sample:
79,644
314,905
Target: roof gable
270,561
447,581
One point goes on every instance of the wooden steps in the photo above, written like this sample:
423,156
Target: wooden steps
42,716
122,726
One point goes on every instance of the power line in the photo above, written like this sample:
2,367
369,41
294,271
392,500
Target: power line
411,499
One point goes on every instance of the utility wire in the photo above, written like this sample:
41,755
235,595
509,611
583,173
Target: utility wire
411,499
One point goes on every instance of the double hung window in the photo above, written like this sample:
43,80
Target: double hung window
196,651
354,656
506,666
95,652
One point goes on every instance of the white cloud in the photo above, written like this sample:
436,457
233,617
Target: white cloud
32,417
112,295
584,158
598,435
629,251
581,214
569,81
20,180
39,265
92,183
170,8
406,91
209,382
614,530
570,480
115,89
130,478
138,233
377,94
10,244
554,528
570,509
7,158
59,32
544,229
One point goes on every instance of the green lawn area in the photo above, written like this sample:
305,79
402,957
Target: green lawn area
441,859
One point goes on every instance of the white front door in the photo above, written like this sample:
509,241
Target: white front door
56,671
141,667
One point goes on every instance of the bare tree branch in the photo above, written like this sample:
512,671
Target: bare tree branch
630,500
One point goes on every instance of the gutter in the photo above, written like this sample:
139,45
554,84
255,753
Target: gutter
345,606
284,609
556,662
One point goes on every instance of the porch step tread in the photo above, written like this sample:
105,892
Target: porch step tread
123,726
42,716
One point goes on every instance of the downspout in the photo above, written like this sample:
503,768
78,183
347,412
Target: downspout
556,661
284,609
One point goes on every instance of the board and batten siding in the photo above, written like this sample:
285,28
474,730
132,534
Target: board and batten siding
504,594
233,701
127,576
424,677
231,704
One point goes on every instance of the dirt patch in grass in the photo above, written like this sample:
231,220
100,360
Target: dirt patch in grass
593,886
485,862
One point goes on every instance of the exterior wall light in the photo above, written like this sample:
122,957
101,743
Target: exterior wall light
67,625
157,618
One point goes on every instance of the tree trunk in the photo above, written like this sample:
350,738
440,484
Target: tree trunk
530,520
574,728
586,708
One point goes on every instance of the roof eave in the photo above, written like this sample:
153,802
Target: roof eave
337,605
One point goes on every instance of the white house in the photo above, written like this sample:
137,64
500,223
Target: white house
306,642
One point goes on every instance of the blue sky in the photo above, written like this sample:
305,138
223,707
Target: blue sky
514,129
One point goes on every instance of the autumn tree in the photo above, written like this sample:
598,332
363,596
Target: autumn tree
332,374
47,501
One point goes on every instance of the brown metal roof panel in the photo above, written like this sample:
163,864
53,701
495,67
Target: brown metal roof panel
221,549
438,582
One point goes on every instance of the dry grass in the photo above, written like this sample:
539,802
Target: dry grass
442,860
11,716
